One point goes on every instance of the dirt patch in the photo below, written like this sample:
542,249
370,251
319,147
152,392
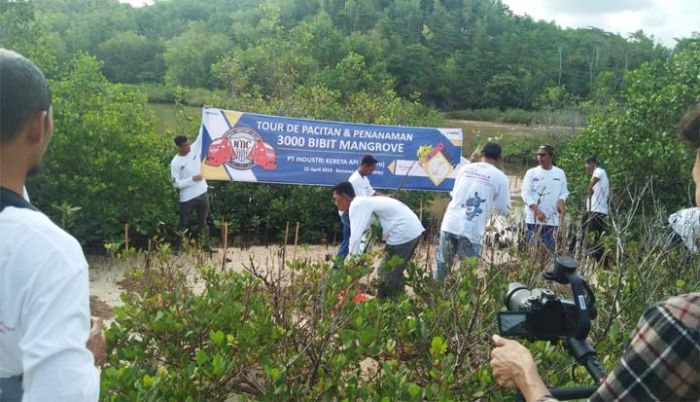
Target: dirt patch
130,285
108,280
100,309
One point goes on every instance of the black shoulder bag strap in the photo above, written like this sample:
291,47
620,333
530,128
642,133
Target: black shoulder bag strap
9,198
11,387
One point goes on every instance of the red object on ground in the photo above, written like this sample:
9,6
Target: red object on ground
264,155
358,298
220,152
361,297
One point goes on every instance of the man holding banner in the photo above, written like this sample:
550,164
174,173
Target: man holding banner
401,229
186,177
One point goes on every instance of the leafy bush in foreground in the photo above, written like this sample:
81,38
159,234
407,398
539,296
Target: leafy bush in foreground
283,333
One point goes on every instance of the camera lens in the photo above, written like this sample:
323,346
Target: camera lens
516,299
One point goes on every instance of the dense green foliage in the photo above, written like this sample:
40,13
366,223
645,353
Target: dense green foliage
284,334
104,158
636,138
453,54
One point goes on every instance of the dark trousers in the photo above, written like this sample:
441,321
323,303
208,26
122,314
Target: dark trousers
392,267
200,205
595,223
541,233
11,389
345,245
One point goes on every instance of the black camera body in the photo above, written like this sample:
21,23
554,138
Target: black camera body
539,314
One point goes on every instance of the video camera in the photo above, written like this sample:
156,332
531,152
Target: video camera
539,314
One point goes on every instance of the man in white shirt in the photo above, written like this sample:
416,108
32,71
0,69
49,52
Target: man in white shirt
544,192
401,230
44,290
360,183
595,219
480,189
360,178
185,172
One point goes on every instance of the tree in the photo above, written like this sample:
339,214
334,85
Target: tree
104,158
503,90
130,57
636,138
19,31
188,57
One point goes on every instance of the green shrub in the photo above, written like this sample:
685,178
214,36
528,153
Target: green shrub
636,139
489,114
104,158
285,334
521,150
573,117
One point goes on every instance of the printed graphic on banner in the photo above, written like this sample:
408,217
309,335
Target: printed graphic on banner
273,149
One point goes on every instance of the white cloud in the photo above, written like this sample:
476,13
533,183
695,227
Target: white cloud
664,19
595,6
137,3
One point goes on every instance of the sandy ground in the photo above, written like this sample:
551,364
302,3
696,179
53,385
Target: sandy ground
106,273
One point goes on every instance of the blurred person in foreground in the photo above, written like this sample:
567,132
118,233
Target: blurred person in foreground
49,344
661,361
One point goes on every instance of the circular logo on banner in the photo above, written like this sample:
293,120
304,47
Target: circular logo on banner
243,141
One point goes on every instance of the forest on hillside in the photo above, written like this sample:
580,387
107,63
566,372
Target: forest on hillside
448,54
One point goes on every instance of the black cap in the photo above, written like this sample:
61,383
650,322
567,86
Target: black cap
491,150
368,160
545,148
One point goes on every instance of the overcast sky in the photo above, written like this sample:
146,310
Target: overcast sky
664,19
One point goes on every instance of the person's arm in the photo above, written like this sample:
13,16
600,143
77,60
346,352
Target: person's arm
528,194
514,367
182,183
591,184
57,364
563,195
371,189
360,217
526,190
97,343
503,197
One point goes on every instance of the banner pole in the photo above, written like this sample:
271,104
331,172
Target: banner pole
421,208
